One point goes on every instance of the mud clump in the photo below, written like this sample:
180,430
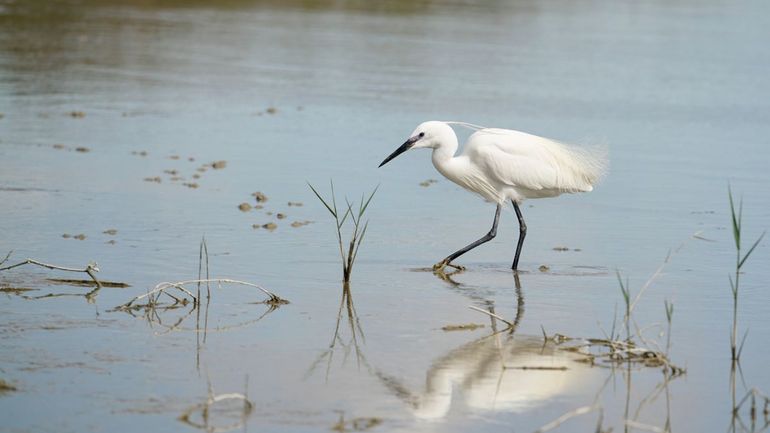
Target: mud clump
295,203
218,165
111,232
155,179
80,237
77,114
6,387
82,149
244,207
280,216
260,197
463,327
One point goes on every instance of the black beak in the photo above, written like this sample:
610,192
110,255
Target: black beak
403,148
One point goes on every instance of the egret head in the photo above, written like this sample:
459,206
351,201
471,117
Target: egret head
428,134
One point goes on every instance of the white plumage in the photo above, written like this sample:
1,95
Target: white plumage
503,164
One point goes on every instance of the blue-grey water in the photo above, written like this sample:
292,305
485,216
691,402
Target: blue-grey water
308,91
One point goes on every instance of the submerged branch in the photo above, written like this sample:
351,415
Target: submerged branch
90,268
162,288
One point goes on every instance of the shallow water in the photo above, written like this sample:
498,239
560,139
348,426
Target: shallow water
678,92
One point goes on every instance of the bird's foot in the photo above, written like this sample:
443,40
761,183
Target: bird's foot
439,267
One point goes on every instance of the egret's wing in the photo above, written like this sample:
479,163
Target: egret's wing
508,161
528,161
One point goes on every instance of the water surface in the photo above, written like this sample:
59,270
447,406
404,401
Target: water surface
677,91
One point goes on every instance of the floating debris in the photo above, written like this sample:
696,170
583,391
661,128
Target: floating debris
560,249
544,268
196,176
190,158
16,290
258,206
66,235
111,242
59,146
259,196
464,327
140,153
280,216
173,157
295,203
82,149
270,226
155,179
191,185
176,178
80,237
218,165
87,283
427,183
6,387
111,232
271,110
300,223
171,172
356,424
244,207
201,169
77,114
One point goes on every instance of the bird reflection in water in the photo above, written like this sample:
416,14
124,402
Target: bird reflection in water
498,372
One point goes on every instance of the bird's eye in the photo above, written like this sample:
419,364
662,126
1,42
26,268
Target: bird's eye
422,134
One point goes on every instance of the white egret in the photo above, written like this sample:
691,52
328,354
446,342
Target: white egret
503,164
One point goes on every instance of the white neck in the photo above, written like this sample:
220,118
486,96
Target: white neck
444,150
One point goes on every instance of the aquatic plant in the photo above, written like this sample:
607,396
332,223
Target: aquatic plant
357,236
740,260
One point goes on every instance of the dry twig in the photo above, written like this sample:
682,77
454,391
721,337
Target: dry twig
90,269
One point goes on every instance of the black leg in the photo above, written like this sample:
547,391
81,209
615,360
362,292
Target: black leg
486,238
522,235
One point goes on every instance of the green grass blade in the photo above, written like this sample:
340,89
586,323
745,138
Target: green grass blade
352,214
732,284
334,214
736,223
740,347
751,250
363,209
334,197
360,239
345,216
